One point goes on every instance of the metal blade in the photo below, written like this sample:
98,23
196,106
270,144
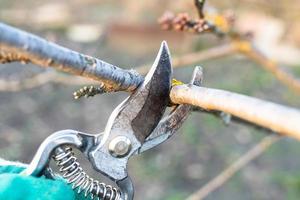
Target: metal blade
142,111
170,124
157,83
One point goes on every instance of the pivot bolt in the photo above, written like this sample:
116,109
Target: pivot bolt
119,146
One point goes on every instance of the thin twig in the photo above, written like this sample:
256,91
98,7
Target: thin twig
225,175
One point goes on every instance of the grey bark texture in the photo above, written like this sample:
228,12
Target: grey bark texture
18,45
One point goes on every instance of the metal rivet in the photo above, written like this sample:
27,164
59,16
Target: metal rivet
119,146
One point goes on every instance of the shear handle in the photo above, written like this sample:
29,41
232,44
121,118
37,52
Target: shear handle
41,159
126,187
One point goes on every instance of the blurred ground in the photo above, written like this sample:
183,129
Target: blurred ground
125,33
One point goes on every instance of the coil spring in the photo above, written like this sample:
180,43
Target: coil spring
75,175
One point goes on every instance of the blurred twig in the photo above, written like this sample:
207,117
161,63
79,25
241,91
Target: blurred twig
200,5
223,26
225,175
183,22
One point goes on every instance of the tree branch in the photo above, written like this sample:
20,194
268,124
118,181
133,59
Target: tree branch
17,45
225,175
278,118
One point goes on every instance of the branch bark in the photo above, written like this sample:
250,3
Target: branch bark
278,118
17,45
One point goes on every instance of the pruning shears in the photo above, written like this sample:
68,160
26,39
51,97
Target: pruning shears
135,126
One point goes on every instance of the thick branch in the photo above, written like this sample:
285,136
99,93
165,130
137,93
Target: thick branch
278,118
17,45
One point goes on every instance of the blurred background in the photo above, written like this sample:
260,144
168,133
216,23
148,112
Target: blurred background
126,33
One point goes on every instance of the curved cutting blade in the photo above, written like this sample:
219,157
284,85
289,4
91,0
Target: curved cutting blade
170,124
142,111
